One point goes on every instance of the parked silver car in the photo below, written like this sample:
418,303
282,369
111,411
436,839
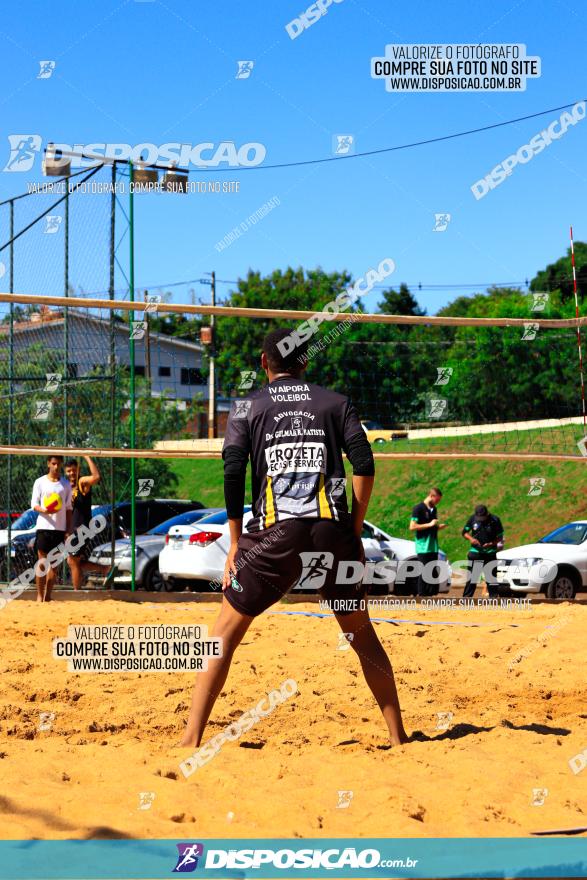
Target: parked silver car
148,548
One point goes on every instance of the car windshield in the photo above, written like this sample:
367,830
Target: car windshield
25,521
220,518
573,533
182,519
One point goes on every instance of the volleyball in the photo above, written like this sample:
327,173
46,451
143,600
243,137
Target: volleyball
52,502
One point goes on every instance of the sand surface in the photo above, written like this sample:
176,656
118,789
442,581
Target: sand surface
113,735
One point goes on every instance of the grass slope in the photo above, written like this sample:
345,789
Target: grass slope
503,486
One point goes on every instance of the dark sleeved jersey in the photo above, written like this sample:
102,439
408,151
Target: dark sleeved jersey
294,434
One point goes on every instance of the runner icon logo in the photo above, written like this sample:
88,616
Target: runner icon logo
315,566
188,855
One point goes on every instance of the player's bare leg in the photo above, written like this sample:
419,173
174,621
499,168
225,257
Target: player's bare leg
230,626
76,571
41,580
79,567
376,669
50,582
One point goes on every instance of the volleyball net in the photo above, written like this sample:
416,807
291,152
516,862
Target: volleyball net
74,370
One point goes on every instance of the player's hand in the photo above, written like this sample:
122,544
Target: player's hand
433,522
475,542
442,525
230,567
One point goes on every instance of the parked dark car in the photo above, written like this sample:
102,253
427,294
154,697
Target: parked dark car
148,515
151,513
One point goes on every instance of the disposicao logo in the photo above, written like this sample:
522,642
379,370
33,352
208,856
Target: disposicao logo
188,855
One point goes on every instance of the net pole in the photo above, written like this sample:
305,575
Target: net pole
131,279
10,396
112,360
65,338
578,332
66,315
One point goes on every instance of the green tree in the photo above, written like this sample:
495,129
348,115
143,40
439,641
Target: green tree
373,363
558,276
239,342
400,302
510,373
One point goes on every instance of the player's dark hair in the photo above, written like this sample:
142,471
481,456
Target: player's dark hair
58,457
71,462
481,510
279,362
436,490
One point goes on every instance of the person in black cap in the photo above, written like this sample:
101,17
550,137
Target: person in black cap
484,532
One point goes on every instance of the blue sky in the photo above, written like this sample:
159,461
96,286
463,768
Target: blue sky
157,72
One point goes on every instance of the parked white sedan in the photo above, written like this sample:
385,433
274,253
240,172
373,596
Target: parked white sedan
555,565
198,553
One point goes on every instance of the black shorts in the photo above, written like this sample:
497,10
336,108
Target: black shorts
48,539
270,562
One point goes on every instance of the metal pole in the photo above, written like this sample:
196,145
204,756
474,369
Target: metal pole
131,278
10,397
65,340
212,374
65,317
112,360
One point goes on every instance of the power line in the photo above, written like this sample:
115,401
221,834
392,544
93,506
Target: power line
413,285
300,163
434,140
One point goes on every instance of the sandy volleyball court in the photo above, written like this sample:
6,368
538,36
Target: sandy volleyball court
472,773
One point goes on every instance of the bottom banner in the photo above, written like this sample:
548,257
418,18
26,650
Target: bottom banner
276,858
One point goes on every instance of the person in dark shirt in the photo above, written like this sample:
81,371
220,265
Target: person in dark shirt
484,532
424,523
294,434
81,494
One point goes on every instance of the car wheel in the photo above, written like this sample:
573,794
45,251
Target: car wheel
564,586
379,440
152,581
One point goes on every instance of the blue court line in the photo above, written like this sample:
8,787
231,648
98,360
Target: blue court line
393,619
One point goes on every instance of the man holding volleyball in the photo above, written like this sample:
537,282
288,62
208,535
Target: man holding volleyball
51,499
294,433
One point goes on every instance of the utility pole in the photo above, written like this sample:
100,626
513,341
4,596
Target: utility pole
212,373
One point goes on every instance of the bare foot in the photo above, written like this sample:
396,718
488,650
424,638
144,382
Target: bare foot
188,740
400,740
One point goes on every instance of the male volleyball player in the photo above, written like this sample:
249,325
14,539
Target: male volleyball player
51,499
81,501
294,434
